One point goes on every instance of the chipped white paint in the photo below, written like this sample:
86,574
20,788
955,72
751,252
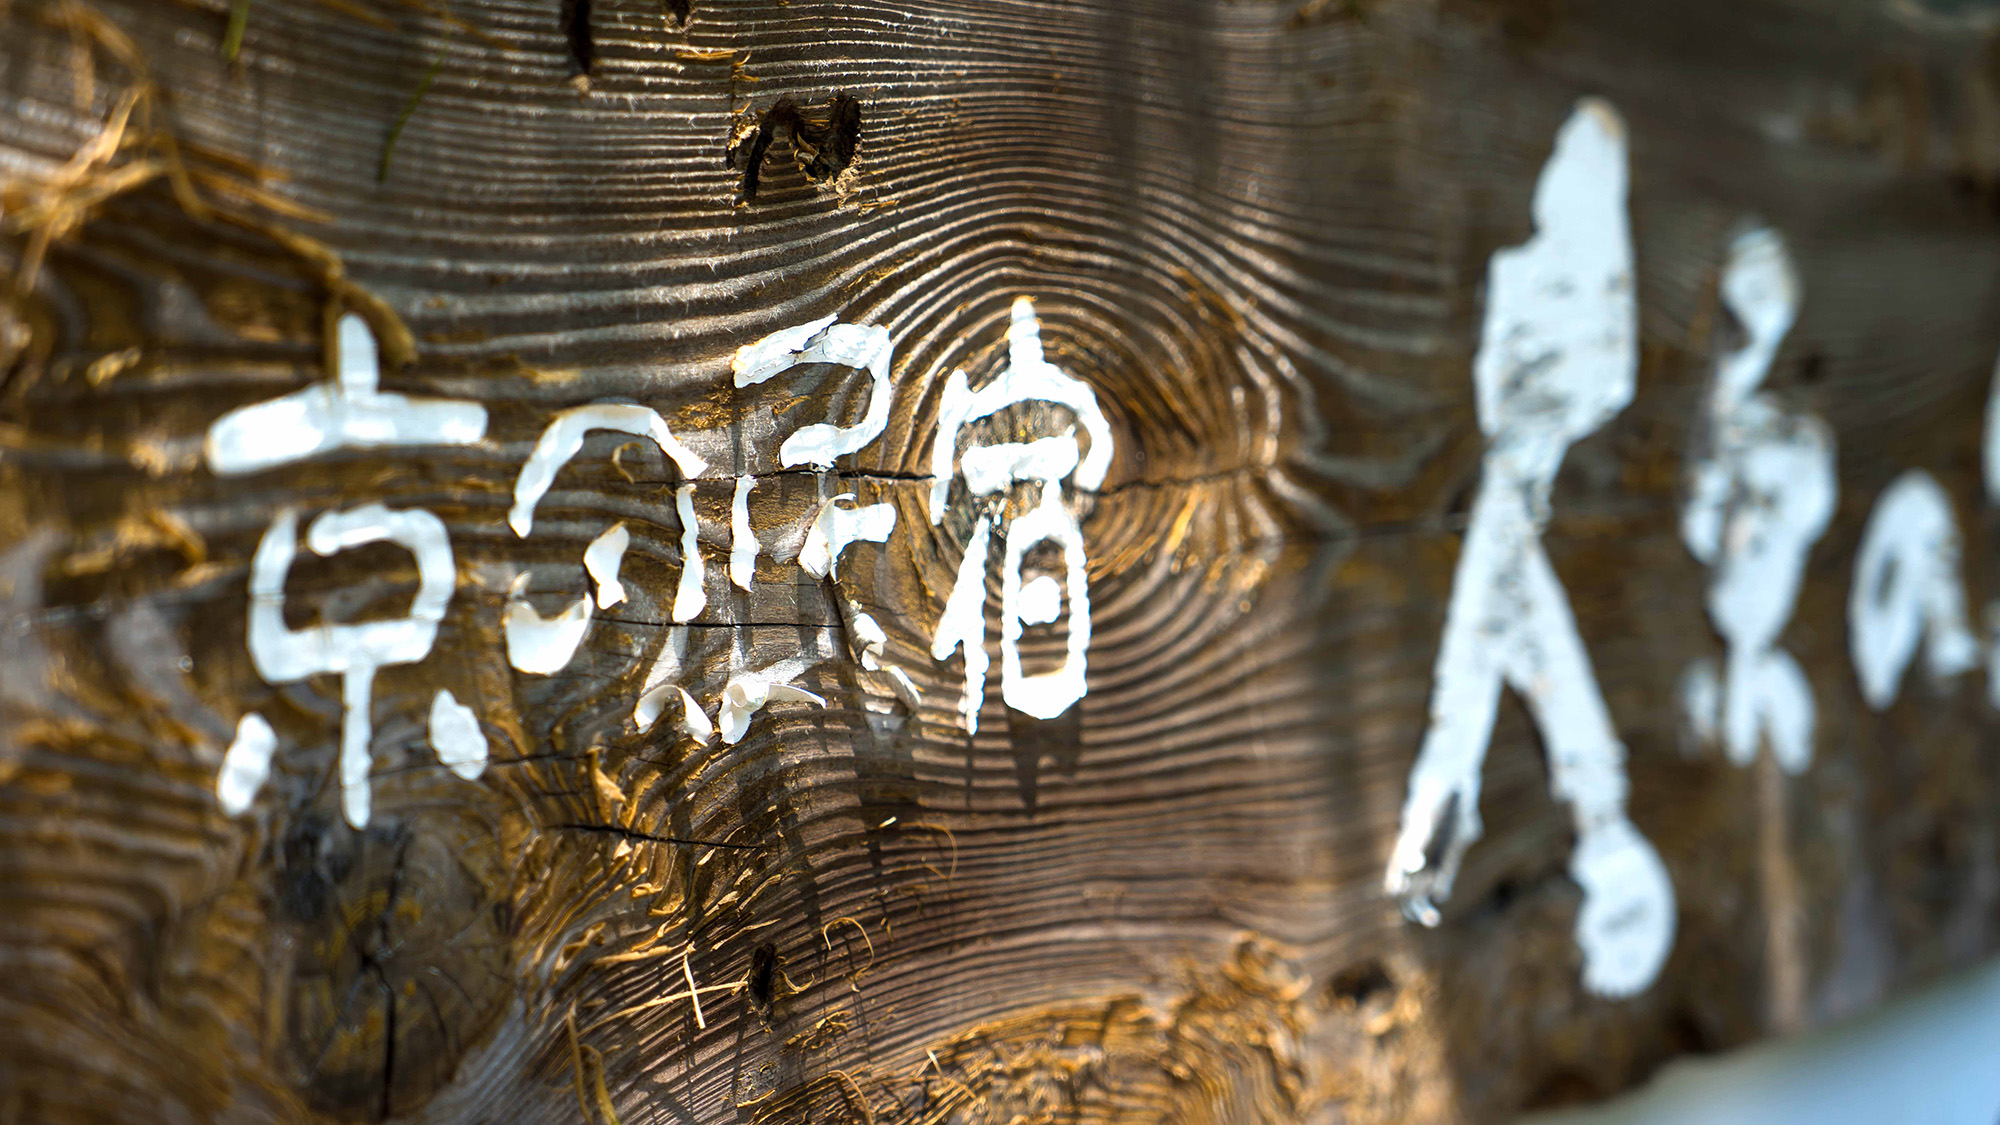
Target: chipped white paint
822,341
989,470
283,655
1557,359
691,597
743,545
1907,590
601,560
349,413
456,737
542,646
1756,505
245,764
564,438
835,528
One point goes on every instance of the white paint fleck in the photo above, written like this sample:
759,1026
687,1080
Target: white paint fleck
284,655
743,545
542,646
1757,502
564,438
455,735
1041,601
1557,359
601,560
245,764
864,347
989,470
1907,590
660,678
349,413
835,528
691,597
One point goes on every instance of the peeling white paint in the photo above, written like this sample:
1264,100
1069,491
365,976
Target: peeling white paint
564,438
694,720
349,413
869,632
743,545
245,764
871,641
1557,359
989,470
455,735
601,560
660,678
284,655
691,597
1757,503
746,695
1907,589
542,646
905,687
835,528
864,347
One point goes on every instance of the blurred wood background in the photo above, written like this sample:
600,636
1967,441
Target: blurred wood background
1258,231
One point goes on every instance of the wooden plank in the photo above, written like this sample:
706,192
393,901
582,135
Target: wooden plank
1267,245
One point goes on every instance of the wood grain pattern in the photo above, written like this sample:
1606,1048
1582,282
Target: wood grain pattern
1258,232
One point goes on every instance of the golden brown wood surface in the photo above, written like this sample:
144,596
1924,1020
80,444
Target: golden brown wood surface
1258,232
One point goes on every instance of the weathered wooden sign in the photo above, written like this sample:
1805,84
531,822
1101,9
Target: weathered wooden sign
786,562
